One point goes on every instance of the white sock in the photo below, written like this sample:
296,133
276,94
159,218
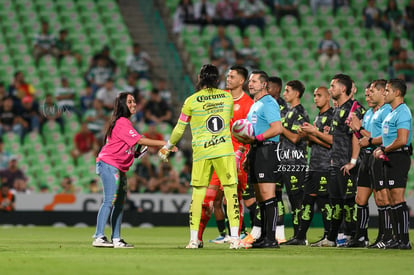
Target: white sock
256,232
280,232
234,231
194,235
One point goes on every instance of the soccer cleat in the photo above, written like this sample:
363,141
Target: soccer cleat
392,244
234,243
122,244
193,244
380,245
200,244
102,242
342,241
281,241
295,241
406,246
247,241
243,235
356,243
266,243
324,243
221,239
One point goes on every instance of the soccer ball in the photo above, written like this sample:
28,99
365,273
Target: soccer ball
241,129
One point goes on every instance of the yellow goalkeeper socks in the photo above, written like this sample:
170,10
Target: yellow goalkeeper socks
199,193
233,210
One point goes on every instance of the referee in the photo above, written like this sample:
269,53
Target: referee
396,150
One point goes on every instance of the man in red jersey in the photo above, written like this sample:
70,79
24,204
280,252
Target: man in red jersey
214,196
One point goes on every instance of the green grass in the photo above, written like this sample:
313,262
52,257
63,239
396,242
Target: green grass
159,250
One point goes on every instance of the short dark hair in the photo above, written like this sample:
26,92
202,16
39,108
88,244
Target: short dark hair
379,83
297,86
263,76
240,70
398,84
277,80
346,81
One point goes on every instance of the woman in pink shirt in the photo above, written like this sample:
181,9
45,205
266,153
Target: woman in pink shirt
116,156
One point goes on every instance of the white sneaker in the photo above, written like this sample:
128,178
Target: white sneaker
102,242
235,243
193,244
122,244
221,239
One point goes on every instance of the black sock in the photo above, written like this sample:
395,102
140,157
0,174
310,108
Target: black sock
225,217
280,208
262,219
270,207
252,212
394,222
326,211
362,222
221,227
381,223
296,205
387,234
349,216
306,217
403,222
337,209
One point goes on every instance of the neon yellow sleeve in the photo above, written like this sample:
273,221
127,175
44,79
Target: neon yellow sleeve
178,131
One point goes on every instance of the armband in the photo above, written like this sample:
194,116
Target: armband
353,161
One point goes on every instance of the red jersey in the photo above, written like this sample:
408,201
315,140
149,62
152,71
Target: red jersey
240,110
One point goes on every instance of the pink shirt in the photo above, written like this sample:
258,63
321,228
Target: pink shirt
120,147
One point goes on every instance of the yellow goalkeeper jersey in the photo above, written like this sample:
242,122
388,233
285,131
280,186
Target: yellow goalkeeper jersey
209,112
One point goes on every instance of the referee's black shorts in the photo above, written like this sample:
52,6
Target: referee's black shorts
396,169
263,162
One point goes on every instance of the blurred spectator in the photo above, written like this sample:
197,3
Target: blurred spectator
44,43
144,171
94,187
184,14
393,54
216,42
251,12
4,155
10,121
374,17
19,88
96,118
66,186
20,186
9,175
51,112
409,20
153,133
65,97
203,13
164,91
107,94
157,110
185,178
30,115
64,48
286,7
404,68
394,17
328,50
86,99
249,53
7,199
226,12
315,4
139,62
166,181
3,92
98,74
225,54
105,55
84,142
44,188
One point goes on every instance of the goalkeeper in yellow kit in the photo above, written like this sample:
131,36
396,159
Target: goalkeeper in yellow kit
209,112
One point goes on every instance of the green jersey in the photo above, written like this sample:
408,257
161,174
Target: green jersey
209,112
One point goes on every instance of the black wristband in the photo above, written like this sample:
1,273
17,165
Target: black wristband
370,141
360,129
383,149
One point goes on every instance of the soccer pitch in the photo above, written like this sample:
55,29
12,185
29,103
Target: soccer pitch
160,250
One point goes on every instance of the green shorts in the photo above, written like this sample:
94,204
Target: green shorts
225,168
